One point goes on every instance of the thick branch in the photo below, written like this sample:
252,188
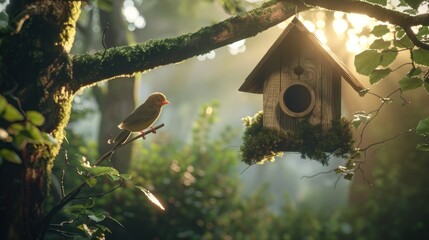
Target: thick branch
372,10
126,60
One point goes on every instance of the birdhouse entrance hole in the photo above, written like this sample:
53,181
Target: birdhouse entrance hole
298,99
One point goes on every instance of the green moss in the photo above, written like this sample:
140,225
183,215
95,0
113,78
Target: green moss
262,144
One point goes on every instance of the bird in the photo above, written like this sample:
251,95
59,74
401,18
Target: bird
141,118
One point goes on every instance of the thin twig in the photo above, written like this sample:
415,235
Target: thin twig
121,184
317,174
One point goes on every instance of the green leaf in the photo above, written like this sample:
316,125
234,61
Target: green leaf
379,44
100,170
97,217
10,156
49,139
35,117
92,181
11,114
126,176
421,56
33,133
423,127
414,3
379,74
424,147
348,176
3,103
103,228
367,61
380,30
151,197
408,83
388,57
414,72
404,42
359,118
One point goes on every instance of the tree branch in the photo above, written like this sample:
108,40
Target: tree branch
121,61
414,38
371,10
126,60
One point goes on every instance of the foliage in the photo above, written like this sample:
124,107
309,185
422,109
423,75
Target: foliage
262,144
377,61
17,129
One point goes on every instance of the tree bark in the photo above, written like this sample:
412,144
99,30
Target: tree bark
36,69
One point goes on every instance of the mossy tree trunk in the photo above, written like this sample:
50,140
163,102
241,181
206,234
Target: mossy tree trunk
36,70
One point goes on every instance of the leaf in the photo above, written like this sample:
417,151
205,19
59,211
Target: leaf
408,83
348,176
423,127
35,117
33,133
414,3
126,176
115,220
424,147
359,118
151,197
379,74
10,156
388,57
379,44
380,30
11,114
97,217
414,72
92,181
3,103
421,56
367,61
100,170
404,42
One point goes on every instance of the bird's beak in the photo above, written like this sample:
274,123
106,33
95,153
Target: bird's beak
165,102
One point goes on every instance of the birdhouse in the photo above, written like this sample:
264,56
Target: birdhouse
300,79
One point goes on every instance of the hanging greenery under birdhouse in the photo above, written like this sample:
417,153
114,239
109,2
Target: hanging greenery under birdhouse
261,144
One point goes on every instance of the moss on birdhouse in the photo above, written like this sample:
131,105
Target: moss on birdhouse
261,144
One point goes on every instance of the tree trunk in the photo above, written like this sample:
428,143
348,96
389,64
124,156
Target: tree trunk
35,70
118,101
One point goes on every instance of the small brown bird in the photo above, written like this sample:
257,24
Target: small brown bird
142,117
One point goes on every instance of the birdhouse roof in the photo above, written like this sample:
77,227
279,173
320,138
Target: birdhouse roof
254,83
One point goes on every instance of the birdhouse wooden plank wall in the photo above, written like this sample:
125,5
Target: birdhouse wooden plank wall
299,79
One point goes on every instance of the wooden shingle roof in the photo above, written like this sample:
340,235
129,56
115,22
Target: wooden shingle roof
254,83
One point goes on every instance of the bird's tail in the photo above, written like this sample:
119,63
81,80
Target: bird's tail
121,138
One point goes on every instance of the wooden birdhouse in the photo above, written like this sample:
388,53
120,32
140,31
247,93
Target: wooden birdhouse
299,78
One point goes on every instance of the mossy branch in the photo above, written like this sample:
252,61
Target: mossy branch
126,60
121,61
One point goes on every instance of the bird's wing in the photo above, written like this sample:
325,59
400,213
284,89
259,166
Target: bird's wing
138,122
